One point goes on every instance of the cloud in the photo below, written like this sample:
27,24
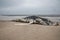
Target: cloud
29,6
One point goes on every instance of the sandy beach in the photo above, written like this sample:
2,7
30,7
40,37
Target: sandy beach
24,31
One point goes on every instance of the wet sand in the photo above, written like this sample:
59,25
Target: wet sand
22,31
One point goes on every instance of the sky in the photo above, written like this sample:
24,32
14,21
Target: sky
29,7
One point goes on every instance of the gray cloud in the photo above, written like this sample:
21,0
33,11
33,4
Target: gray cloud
30,7
9,3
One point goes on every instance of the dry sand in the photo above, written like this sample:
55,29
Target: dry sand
22,31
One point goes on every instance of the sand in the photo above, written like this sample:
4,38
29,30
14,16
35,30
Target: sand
24,31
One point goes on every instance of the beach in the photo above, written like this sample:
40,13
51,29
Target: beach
29,19
23,31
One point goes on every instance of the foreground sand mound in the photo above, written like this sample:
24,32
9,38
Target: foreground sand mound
37,20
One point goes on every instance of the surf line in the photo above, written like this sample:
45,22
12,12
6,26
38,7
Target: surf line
21,24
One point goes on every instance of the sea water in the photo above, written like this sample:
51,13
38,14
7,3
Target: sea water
18,17
10,17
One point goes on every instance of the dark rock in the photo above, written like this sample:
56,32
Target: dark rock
38,20
32,17
56,24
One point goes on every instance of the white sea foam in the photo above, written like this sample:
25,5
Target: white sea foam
18,17
21,24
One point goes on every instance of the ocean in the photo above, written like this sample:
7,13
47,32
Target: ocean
10,17
56,19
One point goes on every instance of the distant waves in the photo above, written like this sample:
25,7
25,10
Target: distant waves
18,17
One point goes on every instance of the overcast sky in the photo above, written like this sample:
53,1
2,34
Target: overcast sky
30,7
